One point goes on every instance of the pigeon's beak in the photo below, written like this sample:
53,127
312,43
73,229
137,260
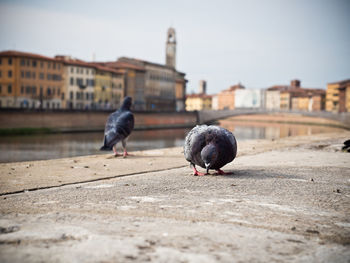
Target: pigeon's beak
207,165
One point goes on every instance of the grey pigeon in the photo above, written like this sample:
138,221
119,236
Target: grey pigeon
118,127
210,147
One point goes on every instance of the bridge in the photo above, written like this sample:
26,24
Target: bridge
208,116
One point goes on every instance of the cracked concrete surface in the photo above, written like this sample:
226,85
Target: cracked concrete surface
287,201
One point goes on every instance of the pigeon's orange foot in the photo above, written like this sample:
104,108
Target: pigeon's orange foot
196,173
126,154
221,172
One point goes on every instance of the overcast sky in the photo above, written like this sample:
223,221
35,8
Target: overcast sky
255,42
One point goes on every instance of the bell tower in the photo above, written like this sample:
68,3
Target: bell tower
171,48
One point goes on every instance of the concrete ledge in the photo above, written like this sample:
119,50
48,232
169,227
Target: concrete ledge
287,200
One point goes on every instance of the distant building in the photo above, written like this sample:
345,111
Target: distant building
226,98
294,97
170,59
198,102
250,98
134,81
154,87
215,102
272,99
202,89
29,80
180,91
338,96
79,82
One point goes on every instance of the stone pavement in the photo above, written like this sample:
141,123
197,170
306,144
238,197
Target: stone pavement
288,200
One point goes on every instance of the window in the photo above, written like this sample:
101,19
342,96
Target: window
77,70
62,96
59,67
54,65
48,76
72,81
28,90
41,64
71,95
41,75
23,62
0,88
28,63
22,74
48,65
87,96
28,74
10,74
48,91
34,63
10,61
0,61
71,70
77,95
9,88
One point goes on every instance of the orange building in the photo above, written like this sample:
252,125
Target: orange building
294,97
31,81
226,98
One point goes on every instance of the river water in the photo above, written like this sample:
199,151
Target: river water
52,146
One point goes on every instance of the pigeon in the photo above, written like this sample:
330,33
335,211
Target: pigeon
346,147
210,147
118,127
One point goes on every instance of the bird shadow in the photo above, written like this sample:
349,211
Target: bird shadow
253,174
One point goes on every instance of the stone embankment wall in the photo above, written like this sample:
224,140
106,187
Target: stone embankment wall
91,121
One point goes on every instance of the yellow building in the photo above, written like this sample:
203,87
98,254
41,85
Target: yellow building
31,81
198,102
285,101
338,96
103,88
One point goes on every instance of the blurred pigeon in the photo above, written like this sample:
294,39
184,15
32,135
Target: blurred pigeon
346,147
118,127
210,147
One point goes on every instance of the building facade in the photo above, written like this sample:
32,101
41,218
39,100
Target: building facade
294,97
31,81
338,96
273,100
79,82
226,98
250,98
198,102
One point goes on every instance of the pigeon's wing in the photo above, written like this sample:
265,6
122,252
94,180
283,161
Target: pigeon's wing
118,126
194,143
227,146
125,124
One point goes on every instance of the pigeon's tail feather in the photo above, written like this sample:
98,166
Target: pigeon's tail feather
106,148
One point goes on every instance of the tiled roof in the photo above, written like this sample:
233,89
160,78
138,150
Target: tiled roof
199,95
346,81
122,65
13,53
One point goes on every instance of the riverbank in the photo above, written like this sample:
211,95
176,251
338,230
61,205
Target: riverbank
22,122
287,200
